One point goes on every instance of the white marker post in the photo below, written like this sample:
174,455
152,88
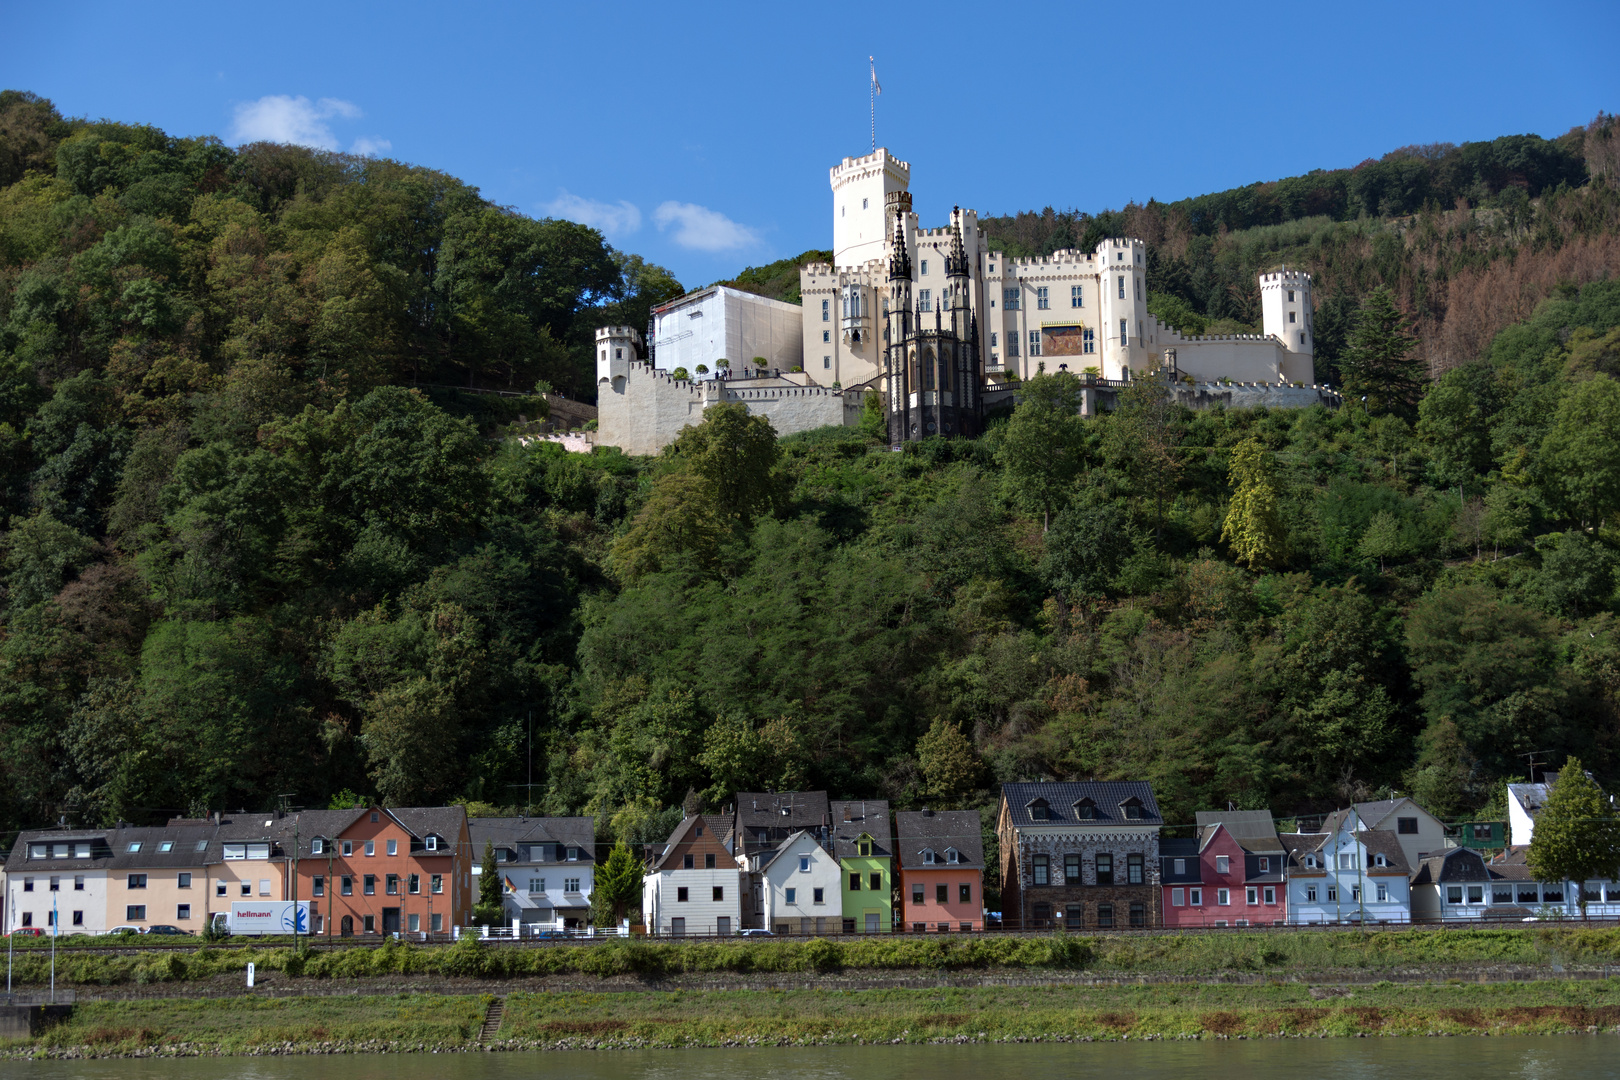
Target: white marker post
250,974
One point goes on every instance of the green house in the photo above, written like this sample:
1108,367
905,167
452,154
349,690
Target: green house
1480,835
863,842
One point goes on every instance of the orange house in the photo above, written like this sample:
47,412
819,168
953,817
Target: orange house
941,870
383,871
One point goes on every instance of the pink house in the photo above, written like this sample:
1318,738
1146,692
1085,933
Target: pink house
1230,875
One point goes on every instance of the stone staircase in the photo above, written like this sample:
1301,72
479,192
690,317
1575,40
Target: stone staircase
492,1021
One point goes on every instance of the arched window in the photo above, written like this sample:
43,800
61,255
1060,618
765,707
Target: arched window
346,927
928,370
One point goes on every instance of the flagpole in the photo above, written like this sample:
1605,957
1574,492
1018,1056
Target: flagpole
871,94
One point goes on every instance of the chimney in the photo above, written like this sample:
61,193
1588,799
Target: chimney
216,817
927,812
846,812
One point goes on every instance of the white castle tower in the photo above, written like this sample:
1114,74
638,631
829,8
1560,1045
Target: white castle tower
615,350
861,188
1285,312
1122,287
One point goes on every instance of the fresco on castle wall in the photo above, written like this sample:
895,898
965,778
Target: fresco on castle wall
1062,340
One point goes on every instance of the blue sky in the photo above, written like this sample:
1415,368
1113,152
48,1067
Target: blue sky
700,135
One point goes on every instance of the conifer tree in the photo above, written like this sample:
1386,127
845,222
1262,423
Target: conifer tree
1379,364
1253,527
618,884
1577,835
488,909
949,765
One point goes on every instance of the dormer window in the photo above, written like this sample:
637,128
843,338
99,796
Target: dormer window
1310,862
1039,810
928,856
864,847
317,846
1085,810
573,854
952,855
1133,809
431,843
1379,860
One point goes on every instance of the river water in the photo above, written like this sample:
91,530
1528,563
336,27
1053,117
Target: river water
1540,1058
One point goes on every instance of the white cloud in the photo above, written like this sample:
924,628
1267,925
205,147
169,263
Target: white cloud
614,219
366,146
703,229
285,119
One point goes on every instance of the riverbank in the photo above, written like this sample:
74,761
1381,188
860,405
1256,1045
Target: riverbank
1463,952
447,1023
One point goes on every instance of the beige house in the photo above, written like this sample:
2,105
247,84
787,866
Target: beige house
1419,832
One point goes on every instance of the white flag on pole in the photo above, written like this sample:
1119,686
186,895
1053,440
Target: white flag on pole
877,87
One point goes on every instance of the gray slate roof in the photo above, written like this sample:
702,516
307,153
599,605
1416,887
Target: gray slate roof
518,833
1457,865
869,816
1254,830
939,829
1061,797
780,814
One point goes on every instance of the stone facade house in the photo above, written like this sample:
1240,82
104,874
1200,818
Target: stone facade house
1084,854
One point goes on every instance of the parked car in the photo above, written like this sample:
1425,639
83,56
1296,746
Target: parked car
125,930
756,933
27,931
164,928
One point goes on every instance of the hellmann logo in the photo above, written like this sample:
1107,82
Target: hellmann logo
254,914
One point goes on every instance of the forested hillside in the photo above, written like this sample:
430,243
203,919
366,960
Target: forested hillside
243,557
1469,238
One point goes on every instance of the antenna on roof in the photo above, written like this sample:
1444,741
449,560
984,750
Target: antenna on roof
1532,763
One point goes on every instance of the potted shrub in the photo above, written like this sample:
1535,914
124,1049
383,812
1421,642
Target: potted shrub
680,375
703,369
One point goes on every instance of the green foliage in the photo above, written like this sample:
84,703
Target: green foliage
618,886
489,911
263,534
1253,526
1577,835
1378,365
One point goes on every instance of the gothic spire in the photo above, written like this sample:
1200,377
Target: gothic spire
956,263
899,257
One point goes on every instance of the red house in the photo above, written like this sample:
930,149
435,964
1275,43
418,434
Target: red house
1235,876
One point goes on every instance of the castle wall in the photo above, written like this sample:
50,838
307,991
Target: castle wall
643,410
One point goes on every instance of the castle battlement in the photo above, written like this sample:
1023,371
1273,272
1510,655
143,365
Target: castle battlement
1296,278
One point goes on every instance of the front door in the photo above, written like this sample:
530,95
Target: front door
722,925
871,922
677,926
390,920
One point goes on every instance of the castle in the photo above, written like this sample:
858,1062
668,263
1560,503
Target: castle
939,325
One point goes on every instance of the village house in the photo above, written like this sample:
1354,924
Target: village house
1084,853
379,870
694,884
802,884
1347,874
862,842
547,867
65,871
941,870
1419,832
763,822
1240,873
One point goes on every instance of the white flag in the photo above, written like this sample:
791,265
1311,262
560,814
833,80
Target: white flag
877,87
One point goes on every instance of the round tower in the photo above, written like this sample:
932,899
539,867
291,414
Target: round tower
1286,314
616,348
861,190
1122,286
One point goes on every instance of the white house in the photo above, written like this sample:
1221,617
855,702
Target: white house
547,867
58,875
803,888
1347,874
1524,806
1419,832
695,884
